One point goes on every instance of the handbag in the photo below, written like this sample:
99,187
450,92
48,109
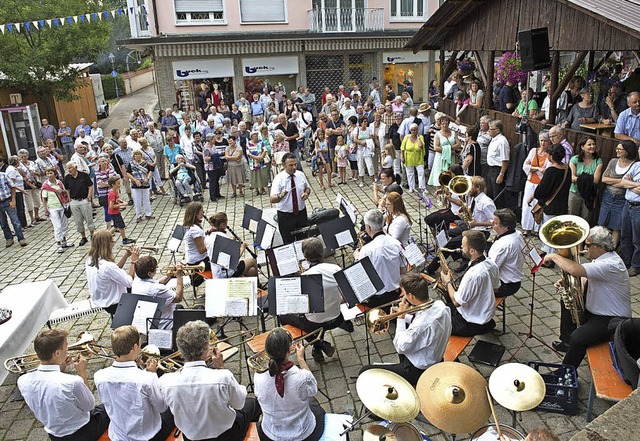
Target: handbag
67,211
538,210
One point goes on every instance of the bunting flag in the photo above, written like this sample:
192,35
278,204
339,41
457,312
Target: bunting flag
17,26
28,26
75,19
42,23
2,29
10,27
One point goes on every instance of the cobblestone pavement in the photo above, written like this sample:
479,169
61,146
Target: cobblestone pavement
38,261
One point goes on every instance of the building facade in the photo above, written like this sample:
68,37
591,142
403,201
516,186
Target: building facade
242,45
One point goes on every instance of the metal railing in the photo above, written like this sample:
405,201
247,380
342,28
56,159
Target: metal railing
346,19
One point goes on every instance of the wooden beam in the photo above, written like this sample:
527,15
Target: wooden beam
442,78
591,61
488,92
555,70
481,69
567,77
449,67
602,61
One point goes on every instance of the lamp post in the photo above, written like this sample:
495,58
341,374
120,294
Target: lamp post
114,74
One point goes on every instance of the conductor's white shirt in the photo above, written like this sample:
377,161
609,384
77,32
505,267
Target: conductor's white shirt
475,293
282,181
132,399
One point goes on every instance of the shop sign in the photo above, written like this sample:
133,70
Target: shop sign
405,57
202,69
252,67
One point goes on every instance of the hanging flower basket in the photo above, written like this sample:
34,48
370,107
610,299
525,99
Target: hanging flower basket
509,68
466,67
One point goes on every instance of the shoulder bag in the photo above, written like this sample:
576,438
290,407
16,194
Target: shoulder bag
538,210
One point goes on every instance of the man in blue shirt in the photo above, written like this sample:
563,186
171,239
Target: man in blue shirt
8,207
628,125
47,131
630,233
82,125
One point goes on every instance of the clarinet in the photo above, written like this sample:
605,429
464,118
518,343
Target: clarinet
236,237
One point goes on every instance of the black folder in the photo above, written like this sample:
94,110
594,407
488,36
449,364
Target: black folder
231,247
328,231
348,293
486,353
250,213
311,285
126,308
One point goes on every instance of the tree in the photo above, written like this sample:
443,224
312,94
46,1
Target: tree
37,60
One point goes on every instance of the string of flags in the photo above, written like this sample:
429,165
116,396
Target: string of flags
29,26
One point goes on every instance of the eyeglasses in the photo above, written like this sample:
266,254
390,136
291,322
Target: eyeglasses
589,245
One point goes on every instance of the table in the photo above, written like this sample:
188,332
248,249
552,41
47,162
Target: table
600,129
31,304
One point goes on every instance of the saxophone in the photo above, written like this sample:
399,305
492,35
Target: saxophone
444,268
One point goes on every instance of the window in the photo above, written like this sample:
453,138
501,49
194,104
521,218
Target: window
408,10
199,11
263,11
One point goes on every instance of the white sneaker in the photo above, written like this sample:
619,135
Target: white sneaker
60,249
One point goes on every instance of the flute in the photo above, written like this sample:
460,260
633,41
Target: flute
236,237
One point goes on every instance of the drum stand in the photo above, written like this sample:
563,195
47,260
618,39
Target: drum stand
351,427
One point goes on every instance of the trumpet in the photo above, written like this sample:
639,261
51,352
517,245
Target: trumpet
378,321
173,361
151,250
259,362
187,270
85,346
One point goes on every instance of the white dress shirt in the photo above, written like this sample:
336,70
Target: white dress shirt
287,418
191,253
106,283
132,399
202,400
186,143
483,209
282,181
506,253
79,140
155,289
609,289
423,337
475,293
332,294
81,164
385,253
400,229
498,151
61,402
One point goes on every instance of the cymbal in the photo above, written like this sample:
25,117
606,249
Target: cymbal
388,395
377,432
517,387
454,397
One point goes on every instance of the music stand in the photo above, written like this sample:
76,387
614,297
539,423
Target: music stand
265,235
175,241
135,309
251,218
225,253
309,285
184,316
347,208
337,234
231,298
285,259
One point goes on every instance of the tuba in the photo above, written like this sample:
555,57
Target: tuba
566,233
461,186
441,202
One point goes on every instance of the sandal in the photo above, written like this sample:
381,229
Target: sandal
233,195
322,188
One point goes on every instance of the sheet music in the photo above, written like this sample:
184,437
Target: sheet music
286,259
219,292
288,287
349,313
243,288
296,305
237,307
267,237
348,207
360,282
162,338
143,311
442,239
298,247
173,244
413,254
535,256
253,225
224,260
344,238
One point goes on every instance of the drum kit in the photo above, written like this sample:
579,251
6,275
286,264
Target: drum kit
453,397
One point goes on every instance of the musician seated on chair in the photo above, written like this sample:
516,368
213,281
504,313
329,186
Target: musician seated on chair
386,256
195,250
246,267
481,208
286,394
331,318
146,268
440,219
507,252
132,396
63,403
207,404
421,337
473,304
607,295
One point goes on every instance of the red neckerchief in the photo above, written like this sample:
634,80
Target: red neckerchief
280,377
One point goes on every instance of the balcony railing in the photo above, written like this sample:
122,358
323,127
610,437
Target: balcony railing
346,19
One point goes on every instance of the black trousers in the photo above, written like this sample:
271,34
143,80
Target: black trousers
463,328
440,220
595,330
493,188
508,289
381,299
301,322
404,368
318,413
167,426
201,174
98,423
20,209
249,413
455,241
288,222
214,183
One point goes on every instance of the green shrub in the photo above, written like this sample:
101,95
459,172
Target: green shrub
109,88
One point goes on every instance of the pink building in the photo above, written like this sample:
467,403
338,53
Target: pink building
239,45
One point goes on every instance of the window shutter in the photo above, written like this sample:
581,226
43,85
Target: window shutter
262,11
198,5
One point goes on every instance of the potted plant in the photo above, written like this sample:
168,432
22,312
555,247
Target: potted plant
466,67
508,68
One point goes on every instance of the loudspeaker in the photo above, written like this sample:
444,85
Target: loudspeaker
534,49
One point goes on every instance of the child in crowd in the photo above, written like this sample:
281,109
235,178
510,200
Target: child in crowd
115,204
353,161
387,159
462,102
342,152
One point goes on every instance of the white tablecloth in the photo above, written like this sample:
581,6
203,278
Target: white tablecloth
31,305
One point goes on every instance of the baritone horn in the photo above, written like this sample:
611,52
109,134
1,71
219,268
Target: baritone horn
441,201
85,346
259,362
461,186
565,234
378,321
187,270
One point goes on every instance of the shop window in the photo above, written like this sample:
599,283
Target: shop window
263,11
199,11
408,10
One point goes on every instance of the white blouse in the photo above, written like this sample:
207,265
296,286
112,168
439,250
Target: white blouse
400,229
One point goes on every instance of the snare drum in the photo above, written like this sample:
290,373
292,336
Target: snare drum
405,431
489,433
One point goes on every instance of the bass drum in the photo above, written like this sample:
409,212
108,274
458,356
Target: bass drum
489,433
405,431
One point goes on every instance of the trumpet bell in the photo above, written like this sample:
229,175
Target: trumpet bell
375,323
445,177
566,231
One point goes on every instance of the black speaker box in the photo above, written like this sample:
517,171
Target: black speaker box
534,49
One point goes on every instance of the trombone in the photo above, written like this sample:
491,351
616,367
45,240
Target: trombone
187,270
378,321
150,250
86,346
259,362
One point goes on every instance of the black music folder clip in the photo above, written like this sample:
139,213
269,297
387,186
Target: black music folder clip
359,281
251,218
226,252
135,309
296,294
338,233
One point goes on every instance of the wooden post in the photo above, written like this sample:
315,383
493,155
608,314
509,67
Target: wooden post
590,62
481,69
555,70
488,93
442,78
446,69
567,77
